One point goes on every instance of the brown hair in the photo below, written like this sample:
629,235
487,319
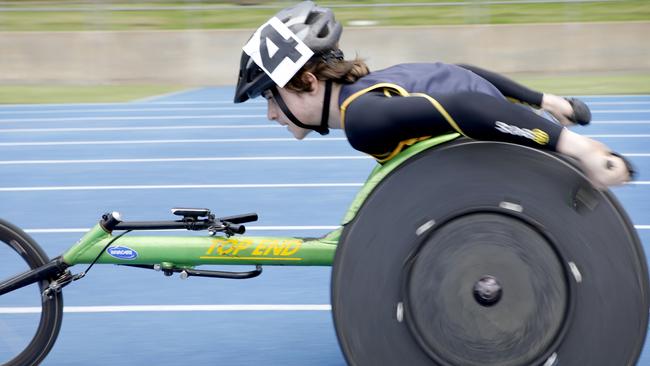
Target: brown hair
340,71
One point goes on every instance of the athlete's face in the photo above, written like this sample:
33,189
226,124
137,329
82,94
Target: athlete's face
306,106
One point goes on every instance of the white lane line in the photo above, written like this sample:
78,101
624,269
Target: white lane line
248,228
138,118
150,128
121,104
182,141
59,231
206,127
121,110
261,101
636,122
614,96
173,105
192,102
176,160
201,186
620,111
171,308
624,136
179,186
236,140
619,103
186,117
197,159
173,108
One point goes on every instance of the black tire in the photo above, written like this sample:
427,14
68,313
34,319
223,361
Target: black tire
51,309
410,273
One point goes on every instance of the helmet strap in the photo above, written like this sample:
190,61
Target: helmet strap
326,108
322,128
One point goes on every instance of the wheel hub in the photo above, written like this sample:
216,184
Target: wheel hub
487,291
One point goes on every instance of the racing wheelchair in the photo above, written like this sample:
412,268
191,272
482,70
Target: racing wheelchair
455,252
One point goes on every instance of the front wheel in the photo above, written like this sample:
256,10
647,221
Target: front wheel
29,324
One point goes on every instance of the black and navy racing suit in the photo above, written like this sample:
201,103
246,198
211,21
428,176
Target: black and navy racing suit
390,109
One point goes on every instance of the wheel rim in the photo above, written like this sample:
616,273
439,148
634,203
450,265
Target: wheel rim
28,324
20,311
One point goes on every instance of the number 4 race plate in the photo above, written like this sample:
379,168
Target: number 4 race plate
277,51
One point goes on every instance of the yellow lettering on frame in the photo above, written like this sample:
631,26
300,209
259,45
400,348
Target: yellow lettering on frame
225,249
265,247
262,246
259,249
278,248
216,243
240,245
292,247
273,247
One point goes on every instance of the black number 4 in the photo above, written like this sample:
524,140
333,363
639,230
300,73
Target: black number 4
286,48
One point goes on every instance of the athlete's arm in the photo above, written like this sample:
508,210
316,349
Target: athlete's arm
376,124
509,88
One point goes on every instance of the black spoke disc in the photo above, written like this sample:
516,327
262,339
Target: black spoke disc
486,289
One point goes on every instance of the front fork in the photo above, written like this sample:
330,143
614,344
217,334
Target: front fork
55,270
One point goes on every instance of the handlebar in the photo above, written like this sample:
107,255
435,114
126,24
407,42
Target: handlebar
191,221
163,225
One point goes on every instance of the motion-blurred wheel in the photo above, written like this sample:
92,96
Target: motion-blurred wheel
483,253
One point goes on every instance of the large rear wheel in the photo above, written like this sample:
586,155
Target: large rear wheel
29,323
481,253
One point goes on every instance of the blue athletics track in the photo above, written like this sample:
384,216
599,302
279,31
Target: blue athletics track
63,165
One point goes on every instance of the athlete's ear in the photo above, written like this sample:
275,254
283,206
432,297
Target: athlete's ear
312,81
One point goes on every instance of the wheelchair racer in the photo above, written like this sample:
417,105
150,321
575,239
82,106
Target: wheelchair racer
294,61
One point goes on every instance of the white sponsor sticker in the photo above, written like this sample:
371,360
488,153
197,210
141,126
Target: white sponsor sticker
535,134
277,51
